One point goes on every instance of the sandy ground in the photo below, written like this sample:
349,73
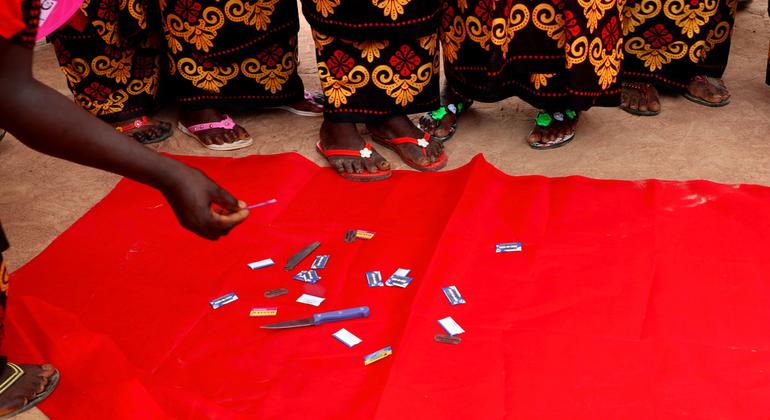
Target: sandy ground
40,196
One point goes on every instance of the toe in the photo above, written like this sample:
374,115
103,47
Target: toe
371,166
654,105
624,98
140,137
358,166
535,136
348,166
382,164
241,133
633,102
228,136
339,166
422,160
642,106
216,139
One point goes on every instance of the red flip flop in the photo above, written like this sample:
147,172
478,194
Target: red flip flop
423,142
365,153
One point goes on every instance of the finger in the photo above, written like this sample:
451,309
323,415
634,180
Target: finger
228,221
208,234
227,201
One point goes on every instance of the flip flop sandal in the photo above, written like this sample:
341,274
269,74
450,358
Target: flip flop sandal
18,372
316,97
545,119
141,137
713,82
636,111
365,153
431,120
227,124
423,142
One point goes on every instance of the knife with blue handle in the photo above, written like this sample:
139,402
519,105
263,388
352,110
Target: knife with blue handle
322,318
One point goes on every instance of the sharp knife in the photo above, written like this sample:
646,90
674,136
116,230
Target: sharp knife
322,318
298,257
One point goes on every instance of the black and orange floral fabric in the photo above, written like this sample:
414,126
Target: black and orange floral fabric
376,58
554,54
112,65
668,42
200,53
372,19
232,53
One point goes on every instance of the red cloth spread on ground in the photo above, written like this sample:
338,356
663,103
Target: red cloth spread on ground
630,300
12,18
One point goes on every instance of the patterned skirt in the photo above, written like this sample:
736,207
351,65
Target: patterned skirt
376,58
230,54
554,54
667,42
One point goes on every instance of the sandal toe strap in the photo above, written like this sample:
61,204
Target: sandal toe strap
133,125
365,153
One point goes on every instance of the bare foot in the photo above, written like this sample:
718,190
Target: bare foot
218,136
402,126
27,387
559,131
640,99
145,130
312,103
708,91
344,136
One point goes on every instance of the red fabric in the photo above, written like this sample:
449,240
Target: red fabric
11,17
630,300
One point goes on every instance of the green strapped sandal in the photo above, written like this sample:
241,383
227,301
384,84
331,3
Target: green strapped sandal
546,119
432,120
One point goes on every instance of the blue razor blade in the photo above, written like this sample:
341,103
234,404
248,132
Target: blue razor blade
400,281
508,247
374,279
453,295
223,300
308,276
320,262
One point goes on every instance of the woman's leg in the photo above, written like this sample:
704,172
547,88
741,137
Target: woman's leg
377,82
116,79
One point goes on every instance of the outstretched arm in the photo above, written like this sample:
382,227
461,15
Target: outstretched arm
48,122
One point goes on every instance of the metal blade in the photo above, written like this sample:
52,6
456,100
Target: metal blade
306,322
298,257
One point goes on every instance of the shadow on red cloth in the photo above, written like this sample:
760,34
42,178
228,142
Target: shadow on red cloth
632,300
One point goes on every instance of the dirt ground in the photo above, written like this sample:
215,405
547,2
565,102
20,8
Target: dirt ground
40,196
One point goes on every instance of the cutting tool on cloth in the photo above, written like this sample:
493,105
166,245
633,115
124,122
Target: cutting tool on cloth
322,318
298,257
